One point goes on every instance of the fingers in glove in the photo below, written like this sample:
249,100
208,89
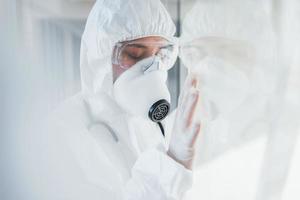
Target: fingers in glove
188,104
191,82
196,131
191,109
194,81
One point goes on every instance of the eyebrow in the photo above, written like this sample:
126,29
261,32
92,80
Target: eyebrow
138,46
145,46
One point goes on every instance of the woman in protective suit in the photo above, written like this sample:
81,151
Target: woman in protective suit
115,139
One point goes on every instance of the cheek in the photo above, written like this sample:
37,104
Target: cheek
117,71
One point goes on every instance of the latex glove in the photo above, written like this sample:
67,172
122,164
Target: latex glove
186,127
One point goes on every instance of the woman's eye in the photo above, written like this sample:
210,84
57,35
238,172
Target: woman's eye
133,56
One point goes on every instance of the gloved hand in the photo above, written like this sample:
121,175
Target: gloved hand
186,127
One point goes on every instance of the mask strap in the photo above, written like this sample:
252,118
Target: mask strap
161,128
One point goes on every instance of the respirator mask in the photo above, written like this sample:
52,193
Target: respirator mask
142,89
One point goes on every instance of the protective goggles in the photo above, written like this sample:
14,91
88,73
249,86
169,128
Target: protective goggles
126,54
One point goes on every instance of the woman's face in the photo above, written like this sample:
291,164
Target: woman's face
136,50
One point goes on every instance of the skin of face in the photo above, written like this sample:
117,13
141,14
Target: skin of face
149,50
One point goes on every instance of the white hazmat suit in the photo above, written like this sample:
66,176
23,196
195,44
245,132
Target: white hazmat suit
94,149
